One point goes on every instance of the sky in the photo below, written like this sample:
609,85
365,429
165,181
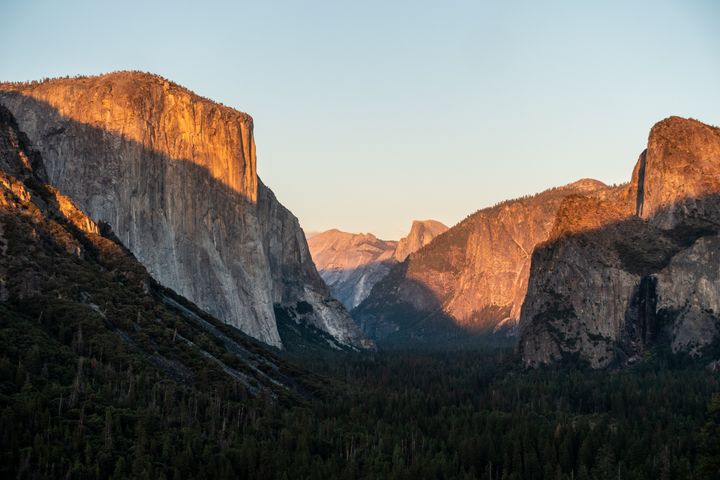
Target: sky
369,114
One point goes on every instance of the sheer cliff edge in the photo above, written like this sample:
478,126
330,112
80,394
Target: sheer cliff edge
174,175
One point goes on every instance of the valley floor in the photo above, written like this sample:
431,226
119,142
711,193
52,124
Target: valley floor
395,415
476,415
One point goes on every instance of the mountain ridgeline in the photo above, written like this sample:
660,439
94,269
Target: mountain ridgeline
175,177
352,263
471,278
90,343
587,271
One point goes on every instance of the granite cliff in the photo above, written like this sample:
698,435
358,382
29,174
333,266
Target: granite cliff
175,177
472,278
634,266
421,233
351,264
62,274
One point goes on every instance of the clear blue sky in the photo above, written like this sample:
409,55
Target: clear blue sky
369,114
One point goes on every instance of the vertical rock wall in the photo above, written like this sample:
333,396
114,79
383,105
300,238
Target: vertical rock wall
175,176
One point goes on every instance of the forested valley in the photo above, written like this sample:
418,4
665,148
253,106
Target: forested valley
76,406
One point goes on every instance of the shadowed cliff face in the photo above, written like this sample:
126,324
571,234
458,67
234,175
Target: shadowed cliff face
351,264
474,275
61,276
174,175
634,266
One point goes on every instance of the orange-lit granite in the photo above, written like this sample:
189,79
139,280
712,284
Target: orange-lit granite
601,273
473,276
174,175
352,263
639,264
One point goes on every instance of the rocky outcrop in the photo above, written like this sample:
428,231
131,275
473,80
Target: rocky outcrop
679,173
471,278
174,175
25,198
628,268
351,264
421,233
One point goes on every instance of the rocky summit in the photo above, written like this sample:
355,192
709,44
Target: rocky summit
174,175
421,233
634,266
351,264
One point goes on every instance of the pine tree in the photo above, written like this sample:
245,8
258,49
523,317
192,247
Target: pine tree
709,461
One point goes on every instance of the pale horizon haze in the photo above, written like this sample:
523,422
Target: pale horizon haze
371,114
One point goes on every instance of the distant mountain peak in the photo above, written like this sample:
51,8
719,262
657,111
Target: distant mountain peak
421,233
586,185
352,263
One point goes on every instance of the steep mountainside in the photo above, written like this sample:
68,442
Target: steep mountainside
175,176
636,266
97,359
351,264
60,278
471,278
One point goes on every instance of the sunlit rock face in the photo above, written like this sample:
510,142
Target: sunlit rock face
421,233
174,175
637,265
471,278
681,173
351,264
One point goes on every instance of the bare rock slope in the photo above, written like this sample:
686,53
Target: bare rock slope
471,278
175,176
635,266
351,264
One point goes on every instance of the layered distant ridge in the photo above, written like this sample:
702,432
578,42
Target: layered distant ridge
471,278
351,264
596,273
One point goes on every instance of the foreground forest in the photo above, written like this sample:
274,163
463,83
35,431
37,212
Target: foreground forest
476,415
402,415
